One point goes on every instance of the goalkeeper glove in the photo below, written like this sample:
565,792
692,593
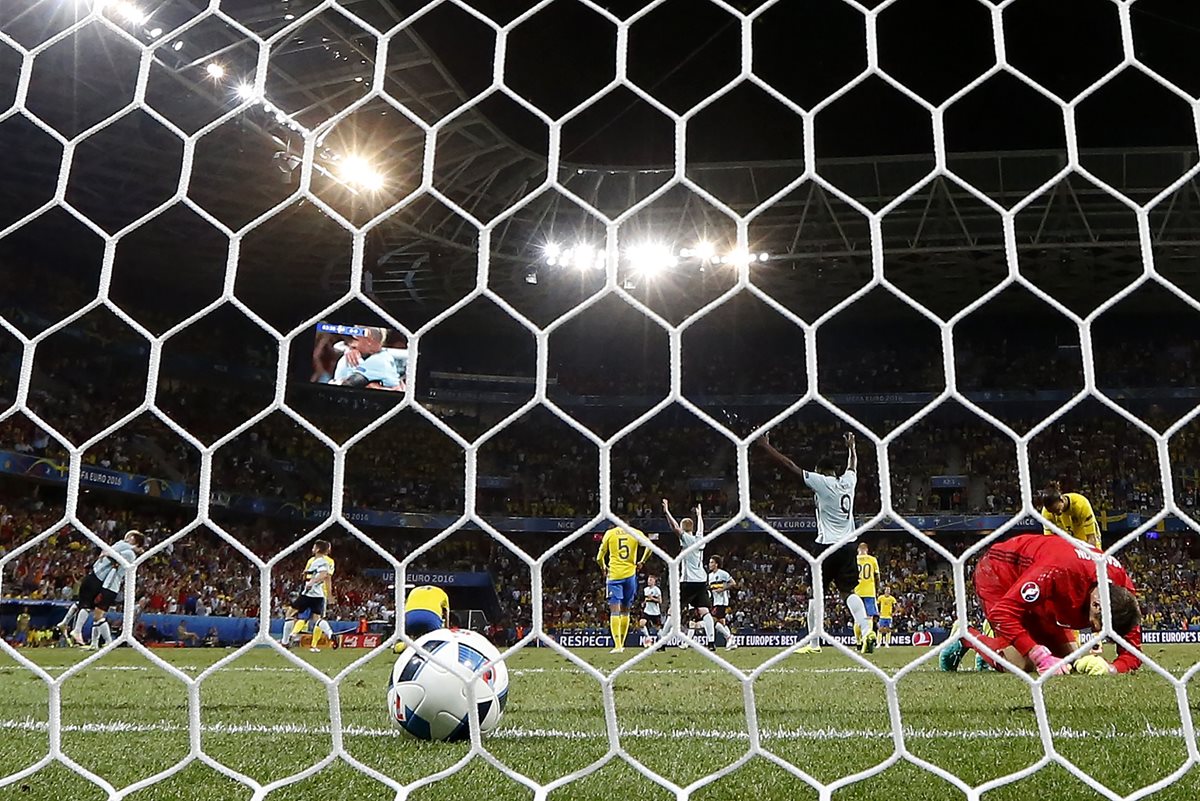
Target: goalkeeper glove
1092,665
1047,662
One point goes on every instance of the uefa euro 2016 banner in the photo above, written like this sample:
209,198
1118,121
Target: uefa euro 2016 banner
43,469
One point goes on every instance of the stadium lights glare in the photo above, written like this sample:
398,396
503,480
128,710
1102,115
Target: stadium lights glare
246,91
650,259
215,71
551,251
357,171
128,12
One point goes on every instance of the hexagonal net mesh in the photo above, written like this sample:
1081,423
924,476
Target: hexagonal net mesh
309,162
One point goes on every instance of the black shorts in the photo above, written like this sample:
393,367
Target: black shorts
719,612
840,567
302,603
106,600
693,594
653,620
90,590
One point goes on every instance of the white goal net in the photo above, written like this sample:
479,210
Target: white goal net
246,54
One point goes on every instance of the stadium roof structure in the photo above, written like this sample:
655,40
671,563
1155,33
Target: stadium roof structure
943,245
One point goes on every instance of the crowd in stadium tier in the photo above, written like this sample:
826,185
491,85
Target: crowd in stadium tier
202,574
540,467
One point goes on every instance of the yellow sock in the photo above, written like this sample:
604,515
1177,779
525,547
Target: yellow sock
614,625
316,636
624,628
857,633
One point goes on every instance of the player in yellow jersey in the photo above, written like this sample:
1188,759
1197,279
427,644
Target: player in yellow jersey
1071,512
313,595
887,603
868,571
426,609
618,558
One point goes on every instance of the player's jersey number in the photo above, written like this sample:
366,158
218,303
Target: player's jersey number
865,572
845,505
623,550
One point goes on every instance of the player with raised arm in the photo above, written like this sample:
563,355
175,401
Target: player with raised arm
720,582
1071,512
835,525
887,603
1036,592
868,573
313,594
693,579
651,611
618,558
100,588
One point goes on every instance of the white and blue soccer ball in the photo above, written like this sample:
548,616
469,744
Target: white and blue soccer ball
427,697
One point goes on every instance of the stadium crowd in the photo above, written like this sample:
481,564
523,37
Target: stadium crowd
203,575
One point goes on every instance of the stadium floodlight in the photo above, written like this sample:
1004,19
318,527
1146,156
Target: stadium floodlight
127,11
215,71
704,251
155,33
177,46
246,91
764,256
551,250
650,259
358,172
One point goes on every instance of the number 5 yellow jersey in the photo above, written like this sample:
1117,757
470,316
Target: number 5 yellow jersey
619,550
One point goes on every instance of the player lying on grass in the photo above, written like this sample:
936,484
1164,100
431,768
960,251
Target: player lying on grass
1036,592
426,609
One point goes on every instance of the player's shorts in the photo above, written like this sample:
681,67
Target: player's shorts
653,620
841,566
869,603
719,611
418,622
106,600
622,591
89,591
885,622
694,594
308,603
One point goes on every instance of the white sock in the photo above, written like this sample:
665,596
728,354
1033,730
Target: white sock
859,611
288,626
324,627
105,632
96,626
725,632
709,628
812,618
66,621
80,618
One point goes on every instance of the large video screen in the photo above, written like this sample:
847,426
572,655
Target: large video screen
360,356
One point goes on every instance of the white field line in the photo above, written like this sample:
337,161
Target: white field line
523,733
512,671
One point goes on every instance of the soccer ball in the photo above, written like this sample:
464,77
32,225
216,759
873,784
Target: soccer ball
427,698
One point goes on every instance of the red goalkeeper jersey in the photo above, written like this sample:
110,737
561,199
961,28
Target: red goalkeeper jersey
1035,582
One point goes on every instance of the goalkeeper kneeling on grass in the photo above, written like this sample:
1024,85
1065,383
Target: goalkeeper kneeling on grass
1036,592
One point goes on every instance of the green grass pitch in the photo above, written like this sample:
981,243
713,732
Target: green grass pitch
679,715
